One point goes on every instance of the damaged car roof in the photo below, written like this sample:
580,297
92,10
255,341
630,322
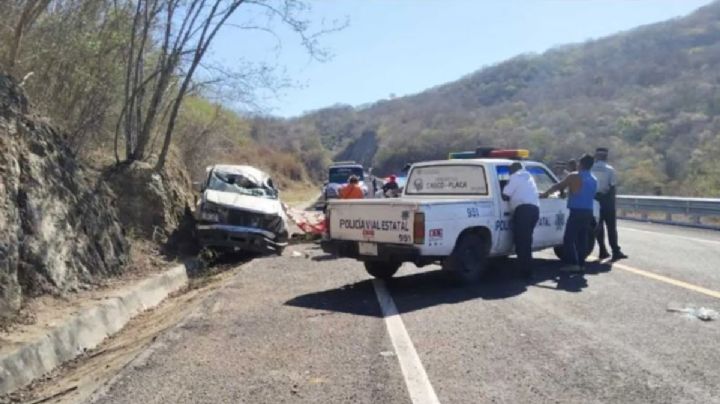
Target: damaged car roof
255,175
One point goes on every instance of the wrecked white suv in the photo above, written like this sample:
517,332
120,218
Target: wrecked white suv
240,211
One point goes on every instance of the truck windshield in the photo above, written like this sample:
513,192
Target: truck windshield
340,175
542,178
447,180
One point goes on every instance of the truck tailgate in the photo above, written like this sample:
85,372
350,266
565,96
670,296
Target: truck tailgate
373,222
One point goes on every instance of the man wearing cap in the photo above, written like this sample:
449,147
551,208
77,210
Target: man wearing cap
391,188
352,190
525,203
607,181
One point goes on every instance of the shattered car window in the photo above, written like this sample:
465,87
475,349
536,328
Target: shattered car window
240,184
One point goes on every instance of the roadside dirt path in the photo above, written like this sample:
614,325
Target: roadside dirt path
76,380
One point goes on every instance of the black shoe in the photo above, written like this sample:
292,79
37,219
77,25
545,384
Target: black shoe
617,256
604,255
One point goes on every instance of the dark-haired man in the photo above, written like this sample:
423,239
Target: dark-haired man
583,186
523,195
570,167
606,178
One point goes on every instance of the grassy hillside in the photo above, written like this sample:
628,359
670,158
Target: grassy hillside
209,133
71,59
651,94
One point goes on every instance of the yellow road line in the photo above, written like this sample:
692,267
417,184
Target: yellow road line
668,280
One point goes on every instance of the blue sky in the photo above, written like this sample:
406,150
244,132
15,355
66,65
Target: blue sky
403,47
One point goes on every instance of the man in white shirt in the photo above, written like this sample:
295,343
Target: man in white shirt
607,182
525,203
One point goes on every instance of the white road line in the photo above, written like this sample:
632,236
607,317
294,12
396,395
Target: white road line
700,240
416,380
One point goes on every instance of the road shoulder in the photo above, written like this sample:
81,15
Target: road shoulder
29,355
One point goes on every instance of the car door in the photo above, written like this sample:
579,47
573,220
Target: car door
503,221
553,211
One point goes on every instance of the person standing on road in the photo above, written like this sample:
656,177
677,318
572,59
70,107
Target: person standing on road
352,190
607,181
391,189
583,186
522,193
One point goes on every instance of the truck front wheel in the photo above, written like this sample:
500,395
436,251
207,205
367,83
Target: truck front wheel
468,261
382,269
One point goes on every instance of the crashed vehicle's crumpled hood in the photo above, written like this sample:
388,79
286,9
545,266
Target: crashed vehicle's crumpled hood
245,202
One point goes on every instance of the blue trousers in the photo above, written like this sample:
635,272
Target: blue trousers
525,217
575,242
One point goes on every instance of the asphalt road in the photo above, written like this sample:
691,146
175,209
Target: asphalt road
311,329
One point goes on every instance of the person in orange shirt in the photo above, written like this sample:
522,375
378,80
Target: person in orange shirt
352,190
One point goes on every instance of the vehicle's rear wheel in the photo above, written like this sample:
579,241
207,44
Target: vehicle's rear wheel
382,269
560,251
499,261
468,261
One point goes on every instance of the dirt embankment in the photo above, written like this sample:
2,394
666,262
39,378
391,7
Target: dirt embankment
59,226
150,203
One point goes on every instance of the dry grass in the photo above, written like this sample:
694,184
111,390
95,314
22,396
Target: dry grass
299,193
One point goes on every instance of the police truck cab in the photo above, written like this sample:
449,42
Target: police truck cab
451,212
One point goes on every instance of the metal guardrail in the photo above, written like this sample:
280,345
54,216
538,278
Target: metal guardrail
696,212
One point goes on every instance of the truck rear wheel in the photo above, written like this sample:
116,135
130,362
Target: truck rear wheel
560,251
382,269
468,261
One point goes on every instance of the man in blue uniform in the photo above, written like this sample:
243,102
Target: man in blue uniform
583,186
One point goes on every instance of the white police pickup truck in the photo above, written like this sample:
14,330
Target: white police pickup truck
451,212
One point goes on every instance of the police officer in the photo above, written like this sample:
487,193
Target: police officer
583,186
522,192
607,181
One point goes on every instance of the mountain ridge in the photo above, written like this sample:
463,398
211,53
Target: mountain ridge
651,94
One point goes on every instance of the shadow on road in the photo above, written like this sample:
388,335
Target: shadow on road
548,270
324,257
356,298
421,290
412,292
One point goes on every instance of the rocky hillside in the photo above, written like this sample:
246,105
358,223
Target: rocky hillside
58,224
651,94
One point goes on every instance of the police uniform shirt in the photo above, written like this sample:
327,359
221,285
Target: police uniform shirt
605,175
521,189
